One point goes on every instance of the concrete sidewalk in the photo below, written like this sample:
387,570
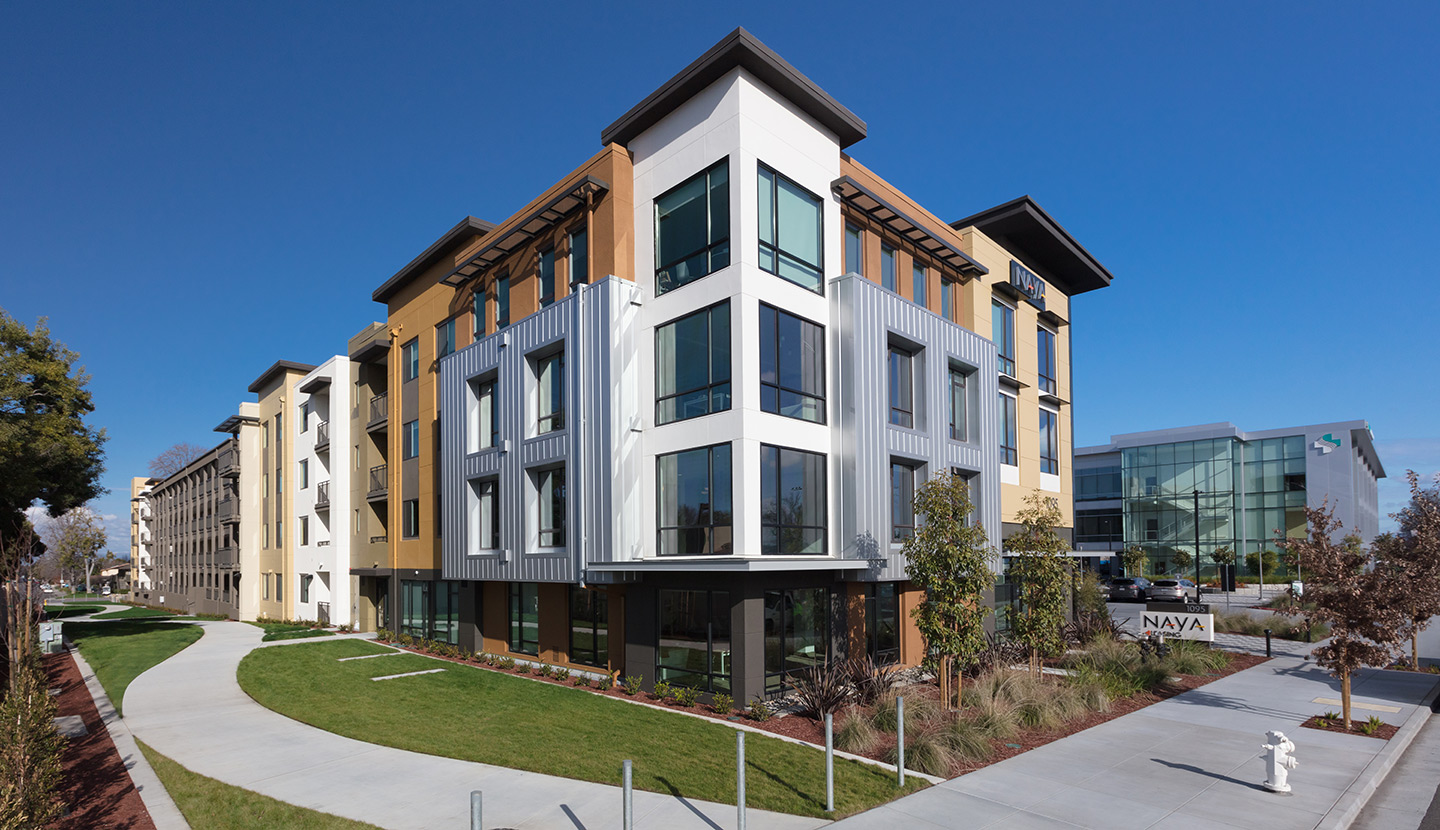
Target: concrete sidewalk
1189,762
192,709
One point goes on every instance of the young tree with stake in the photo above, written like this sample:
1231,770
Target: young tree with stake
1040,570
1133,559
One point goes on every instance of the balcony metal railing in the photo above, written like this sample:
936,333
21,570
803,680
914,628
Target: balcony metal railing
379,409
379,480
322,434
378,539
322,613
322,494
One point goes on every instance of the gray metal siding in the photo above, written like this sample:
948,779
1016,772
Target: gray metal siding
867,319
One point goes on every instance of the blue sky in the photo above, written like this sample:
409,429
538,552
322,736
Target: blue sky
191,191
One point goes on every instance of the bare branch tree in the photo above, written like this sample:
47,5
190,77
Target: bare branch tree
77,537
175,459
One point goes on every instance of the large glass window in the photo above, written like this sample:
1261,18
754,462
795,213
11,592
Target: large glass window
902,502
882,623
790,231
694,506
444,338
579,256
692,365
484,422
547,277
1009,452
550,382
1049,442
792,501
502,301
693,642
1002,331
485,515
589,626
445,627
959,419
692,229
854,250
551,487
1045,348
411,435
887,267
797,634
525,617
411,359
410,518
792,365
415,607
947,300
477,313
902,399
917,283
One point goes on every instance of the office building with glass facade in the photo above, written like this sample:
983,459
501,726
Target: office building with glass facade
1245,490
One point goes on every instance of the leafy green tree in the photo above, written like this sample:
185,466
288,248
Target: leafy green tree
1223,555
1181,560
951,560
1269,559
1134,559
1041,572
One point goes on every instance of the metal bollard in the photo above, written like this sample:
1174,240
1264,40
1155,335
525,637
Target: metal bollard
627,807
739,780
476,822
829,762
1267,642
900,734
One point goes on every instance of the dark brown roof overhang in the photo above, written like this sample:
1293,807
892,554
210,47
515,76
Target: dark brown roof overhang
467,227
906,227
1026,230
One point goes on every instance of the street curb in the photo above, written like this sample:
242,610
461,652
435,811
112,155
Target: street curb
1348,808
157,799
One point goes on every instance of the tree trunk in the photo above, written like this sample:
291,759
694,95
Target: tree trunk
1035,663
1345,697
1415,649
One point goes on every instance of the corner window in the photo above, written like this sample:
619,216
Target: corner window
482,424
550,487
692,365
902,502
958,414
854,250
547,277
1002,331
484,519
902,403
550,384
692,228
579,256
1045,347
589,626
792,501
502,301
887,267
445,338
411,436
693,502
410,518
917,284
525,617
1049,442
791,231
1008,451
792,366
693,639
410,359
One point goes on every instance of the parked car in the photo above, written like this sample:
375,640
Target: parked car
1172,590
1129,588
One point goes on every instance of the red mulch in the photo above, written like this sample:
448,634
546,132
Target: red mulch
1384,733
97,786
813,731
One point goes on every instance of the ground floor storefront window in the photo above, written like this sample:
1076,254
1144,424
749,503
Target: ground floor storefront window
589,626
797,634
882,623
694,639
415,607
430,610
525,617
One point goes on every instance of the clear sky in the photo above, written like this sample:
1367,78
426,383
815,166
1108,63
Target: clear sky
190,191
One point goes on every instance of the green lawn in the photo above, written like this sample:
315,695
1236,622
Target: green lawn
134,612
214,805
478,715
119,651
288,631
60,612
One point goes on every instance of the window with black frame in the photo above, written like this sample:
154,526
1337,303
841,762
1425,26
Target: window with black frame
902,501
415,607
797,634
692,228
693,493
1002,331
589,626
445,626
1049,442
902,393
882,623
693,639
525,617
1045,358
959,419
1009,451
692,365
792,502
550,388
792,365
546,272
791,231
550,485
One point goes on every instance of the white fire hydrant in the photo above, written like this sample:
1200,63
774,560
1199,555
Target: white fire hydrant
1278,756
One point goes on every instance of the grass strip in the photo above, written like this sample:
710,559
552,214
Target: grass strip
60,612
478,715
296,634
215,805
135,612
119,651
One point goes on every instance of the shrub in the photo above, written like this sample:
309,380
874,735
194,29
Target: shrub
562,674
687,695
383,635
926,752
917,709
662,691
966,740
544,670
723,704
631,685
522,668
580,680
606,683
1090,690
869,679
506,663
30,750
759,711
406,640
1371,725
822,690
855,733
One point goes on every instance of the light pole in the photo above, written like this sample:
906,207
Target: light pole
1197,545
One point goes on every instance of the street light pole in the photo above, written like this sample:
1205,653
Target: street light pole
1197,544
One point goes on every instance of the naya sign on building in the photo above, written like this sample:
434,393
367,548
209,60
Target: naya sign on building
1185,621
1025,281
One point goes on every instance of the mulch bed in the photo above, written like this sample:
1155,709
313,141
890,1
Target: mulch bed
813,731
96,785
1384,733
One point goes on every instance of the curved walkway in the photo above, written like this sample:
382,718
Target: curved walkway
192,709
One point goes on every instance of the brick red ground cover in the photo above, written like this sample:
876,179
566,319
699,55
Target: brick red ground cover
1385,732
97,787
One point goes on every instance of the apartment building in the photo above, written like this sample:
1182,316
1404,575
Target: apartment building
141,532
1243,489
193,552
669,416
323,495
272,585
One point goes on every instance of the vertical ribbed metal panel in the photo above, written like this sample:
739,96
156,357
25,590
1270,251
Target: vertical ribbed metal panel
868,319
587,324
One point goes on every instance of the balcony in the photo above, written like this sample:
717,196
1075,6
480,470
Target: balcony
376,540
322,613
322,495
227,463
322,436
379,412
379,483
226,557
